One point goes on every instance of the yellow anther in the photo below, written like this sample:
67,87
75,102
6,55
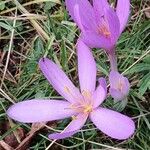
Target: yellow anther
86,94
66,89
77,108
103,29
87,109
74,117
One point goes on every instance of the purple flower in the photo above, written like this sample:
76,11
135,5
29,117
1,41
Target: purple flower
119,86
79,105
100,24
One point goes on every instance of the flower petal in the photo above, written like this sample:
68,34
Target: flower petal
126,88
99,6
107,18
87,16
101,92
114,24
123,11
72,128
116,94
78,17
86,68
114,78
114,124
59,80
40,111
99,96
102,82
94,40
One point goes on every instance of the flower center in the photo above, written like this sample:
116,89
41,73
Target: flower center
87,109
82,108
83,105
104,31
103,28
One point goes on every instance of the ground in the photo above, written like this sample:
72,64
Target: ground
30,30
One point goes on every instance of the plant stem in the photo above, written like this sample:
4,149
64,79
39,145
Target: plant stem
113,61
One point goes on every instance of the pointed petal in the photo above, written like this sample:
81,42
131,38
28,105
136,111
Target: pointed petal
102,82
86,68
78,17
114,124
99,6
40,111
114,24
58,79
99,96
87,16
72,128
123,11
94,40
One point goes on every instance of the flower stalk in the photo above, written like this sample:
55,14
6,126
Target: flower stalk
113,60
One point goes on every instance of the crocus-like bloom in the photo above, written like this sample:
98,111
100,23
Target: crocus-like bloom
119,86
101,27
79,105
100,24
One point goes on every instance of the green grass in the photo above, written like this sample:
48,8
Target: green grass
57,40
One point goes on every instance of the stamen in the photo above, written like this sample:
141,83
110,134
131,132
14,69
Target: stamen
76,107
74,117
66,89
84,105
104,29
86,94
87,109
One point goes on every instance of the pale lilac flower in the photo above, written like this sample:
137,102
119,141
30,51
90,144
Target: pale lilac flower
119,86
78,104
101,25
